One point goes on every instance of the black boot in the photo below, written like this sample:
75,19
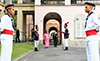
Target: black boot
66,48
36,49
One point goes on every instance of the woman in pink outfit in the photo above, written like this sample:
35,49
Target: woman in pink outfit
46,38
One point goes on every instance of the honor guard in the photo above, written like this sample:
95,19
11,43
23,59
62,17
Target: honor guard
66,36
7,29
36,38
92,26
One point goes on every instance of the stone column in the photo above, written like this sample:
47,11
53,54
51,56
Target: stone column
37,2
40,24
62,33
8,2
2,1
24,27
67,2
20,23
1,10
20,1
63,23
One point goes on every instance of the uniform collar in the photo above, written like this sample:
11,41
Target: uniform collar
90,14
7,14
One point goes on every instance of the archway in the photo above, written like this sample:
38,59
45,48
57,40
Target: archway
51,32
56,17
53,28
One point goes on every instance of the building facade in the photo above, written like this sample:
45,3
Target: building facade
22,9
72,11
51,15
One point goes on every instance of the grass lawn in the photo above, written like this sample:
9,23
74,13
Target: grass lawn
20,49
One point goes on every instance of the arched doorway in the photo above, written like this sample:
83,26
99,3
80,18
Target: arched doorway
52,29
52,16
51,32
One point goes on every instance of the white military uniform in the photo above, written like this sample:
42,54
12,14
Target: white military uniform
92,38
36,43
6,37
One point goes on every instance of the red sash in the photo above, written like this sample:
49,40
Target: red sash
9,32
90,32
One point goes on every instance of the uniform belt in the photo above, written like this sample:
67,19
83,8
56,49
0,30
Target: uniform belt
90,33
8,32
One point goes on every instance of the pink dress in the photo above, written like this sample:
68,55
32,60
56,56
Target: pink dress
46,38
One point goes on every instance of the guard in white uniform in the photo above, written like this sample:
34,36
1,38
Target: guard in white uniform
7,28
92,25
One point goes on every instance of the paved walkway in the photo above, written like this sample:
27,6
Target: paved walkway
57,54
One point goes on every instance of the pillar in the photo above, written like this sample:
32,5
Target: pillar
24,27
20,1
2,1
20,23
40,24
8,2
63,23
67,2
37,2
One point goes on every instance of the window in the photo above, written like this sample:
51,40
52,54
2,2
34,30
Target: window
54,2
79,26
28,1
83,1
14,1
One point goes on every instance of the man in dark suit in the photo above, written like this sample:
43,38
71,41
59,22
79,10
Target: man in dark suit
55,36
17,35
